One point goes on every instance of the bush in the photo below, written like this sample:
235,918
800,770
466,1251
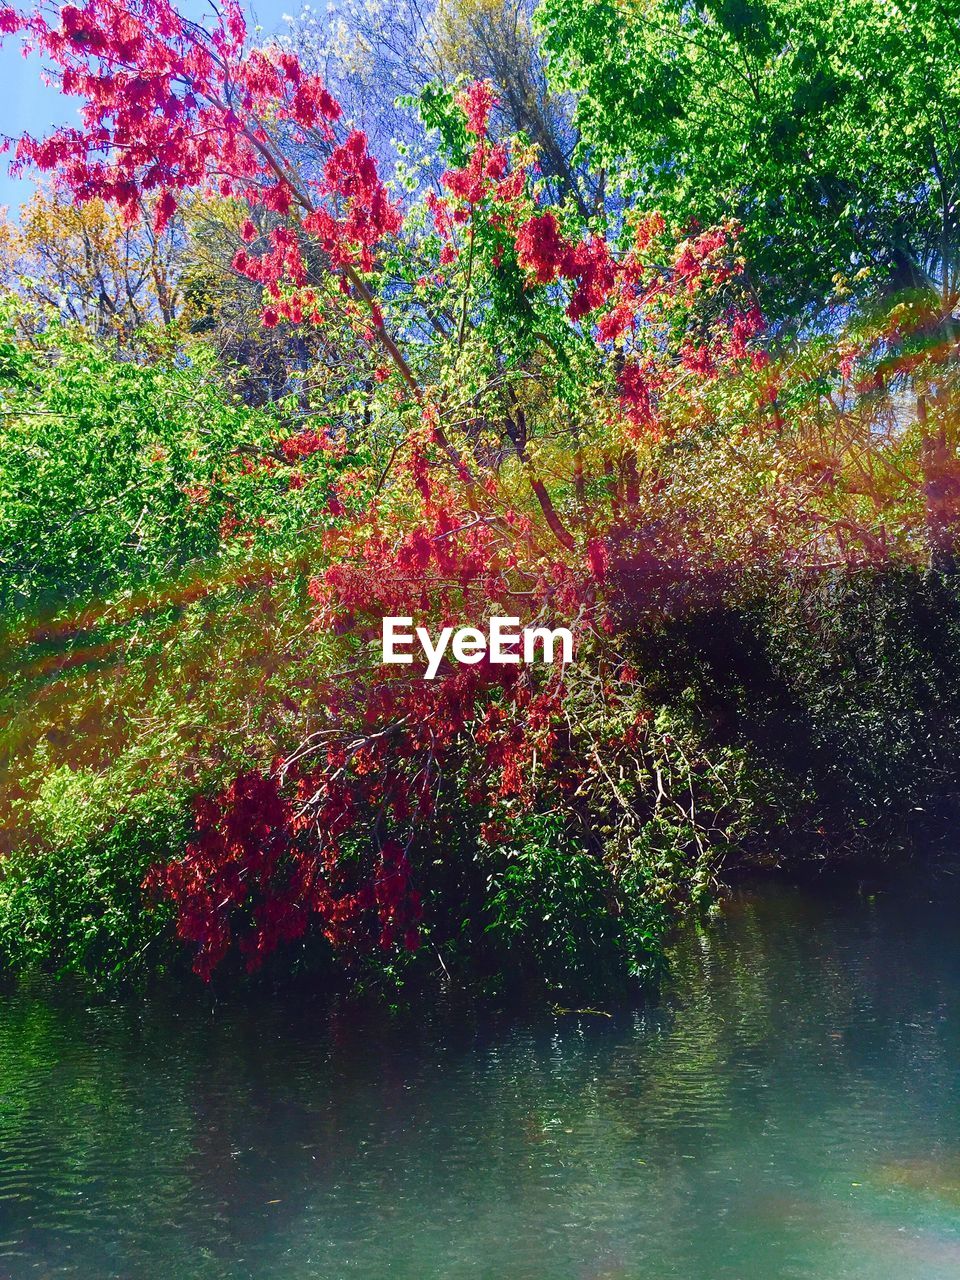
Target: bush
844,693
71,900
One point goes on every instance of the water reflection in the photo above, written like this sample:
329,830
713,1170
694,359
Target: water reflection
792,1111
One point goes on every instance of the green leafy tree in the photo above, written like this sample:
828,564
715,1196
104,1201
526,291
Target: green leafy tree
122,472
828,129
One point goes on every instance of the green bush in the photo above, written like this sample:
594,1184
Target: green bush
71,899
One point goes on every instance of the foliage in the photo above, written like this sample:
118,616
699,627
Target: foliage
91,267
824,128
483,401
118,473
72,900
841,691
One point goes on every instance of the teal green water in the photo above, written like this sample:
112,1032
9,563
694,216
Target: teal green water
792,1112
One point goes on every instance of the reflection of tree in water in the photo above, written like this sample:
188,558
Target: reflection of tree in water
793,1100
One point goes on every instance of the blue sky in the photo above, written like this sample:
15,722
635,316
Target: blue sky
29,106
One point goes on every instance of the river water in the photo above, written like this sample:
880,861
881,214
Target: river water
791,1110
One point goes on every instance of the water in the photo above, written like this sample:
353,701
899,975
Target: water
792,1112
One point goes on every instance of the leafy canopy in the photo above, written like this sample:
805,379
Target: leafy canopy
827,128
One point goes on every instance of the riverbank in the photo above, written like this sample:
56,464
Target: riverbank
810,728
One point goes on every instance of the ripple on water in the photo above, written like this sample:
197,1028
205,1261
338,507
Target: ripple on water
791,1112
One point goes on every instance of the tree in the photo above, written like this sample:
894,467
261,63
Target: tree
499,364
372,55
495,40
534,420
825,128
95,269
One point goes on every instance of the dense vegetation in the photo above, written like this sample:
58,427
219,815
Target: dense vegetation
574,348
